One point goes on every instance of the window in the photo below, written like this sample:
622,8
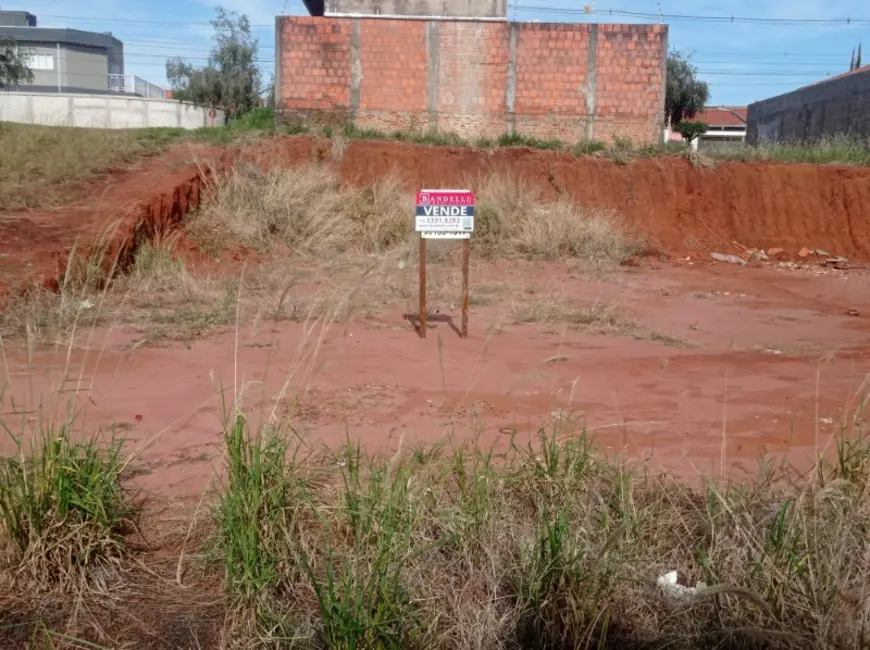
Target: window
36,61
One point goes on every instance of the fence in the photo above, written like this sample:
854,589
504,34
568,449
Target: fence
131,84
104,111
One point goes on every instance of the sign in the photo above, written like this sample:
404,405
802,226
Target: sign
445,214
430,234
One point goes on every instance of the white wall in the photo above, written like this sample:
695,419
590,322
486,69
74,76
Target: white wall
102,111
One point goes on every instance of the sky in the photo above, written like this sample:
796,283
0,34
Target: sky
770,46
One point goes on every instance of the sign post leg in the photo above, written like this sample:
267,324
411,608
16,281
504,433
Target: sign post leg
466,246
422,287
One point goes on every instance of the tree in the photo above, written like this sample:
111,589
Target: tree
691,130
231,78
685,95
855,63
13,69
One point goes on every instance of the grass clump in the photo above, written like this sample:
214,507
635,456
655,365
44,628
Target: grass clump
514,218
309,211
41,166
836,149
251,514
547,545
344,584
300,208
305,209
520,140
62,509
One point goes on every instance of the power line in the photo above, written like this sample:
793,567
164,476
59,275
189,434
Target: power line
846,20
699,18
154,23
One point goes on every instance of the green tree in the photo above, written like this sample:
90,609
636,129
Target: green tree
231,78
690,130
13,69
685,95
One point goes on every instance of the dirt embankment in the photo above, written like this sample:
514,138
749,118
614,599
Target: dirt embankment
678,205
129,207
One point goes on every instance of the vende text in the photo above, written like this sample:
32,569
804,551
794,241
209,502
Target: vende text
445,211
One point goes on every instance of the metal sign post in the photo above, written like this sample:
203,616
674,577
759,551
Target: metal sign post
444,214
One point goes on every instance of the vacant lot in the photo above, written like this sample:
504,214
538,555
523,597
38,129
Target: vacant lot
222,429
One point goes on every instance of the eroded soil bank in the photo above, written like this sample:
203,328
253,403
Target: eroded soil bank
680,206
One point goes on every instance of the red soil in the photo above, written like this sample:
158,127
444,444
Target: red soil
780,365
759,205
132,206
780,362
679,206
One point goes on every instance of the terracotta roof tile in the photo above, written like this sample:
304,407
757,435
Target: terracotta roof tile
722,116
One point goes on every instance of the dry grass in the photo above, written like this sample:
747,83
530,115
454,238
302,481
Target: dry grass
548,546
42,167
600,316
310,212
513,219
306,210
322,243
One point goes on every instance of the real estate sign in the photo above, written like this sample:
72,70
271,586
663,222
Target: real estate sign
445,214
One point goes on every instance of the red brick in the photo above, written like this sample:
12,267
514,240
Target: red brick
551,60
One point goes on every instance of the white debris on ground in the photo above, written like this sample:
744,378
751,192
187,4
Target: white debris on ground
668,584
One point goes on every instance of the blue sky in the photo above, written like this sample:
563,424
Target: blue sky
742,62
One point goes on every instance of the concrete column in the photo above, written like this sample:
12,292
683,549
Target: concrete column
279,57
591,74
433,63
356,71
662,118
145,112
108,120
70,111
511,96
29,116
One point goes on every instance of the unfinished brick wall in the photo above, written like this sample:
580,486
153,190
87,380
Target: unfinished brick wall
474,78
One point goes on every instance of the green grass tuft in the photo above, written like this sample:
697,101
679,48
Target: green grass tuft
62,508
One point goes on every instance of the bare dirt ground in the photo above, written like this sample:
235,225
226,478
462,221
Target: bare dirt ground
737,362
721,364
694,367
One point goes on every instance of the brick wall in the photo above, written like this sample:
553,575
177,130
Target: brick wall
838,106
474,78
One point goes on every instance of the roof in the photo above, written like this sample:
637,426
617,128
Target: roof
722,116
59,35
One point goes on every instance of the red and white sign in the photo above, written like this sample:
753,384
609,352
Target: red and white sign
445,214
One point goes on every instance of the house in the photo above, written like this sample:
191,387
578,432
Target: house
725,125
71,60
836,106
